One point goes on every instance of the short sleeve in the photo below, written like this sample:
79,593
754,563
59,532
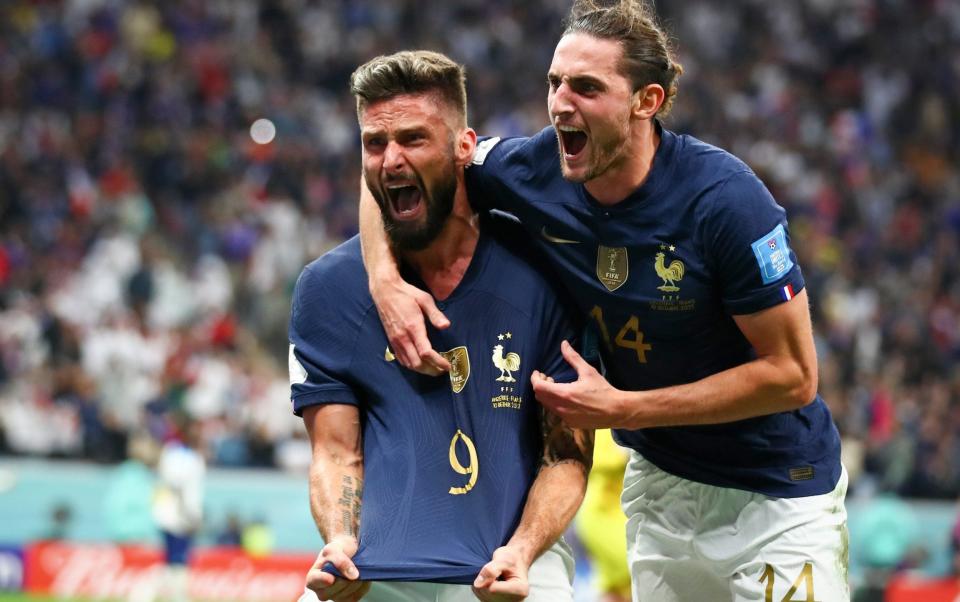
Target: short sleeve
321,346
481,174
505,170
747,242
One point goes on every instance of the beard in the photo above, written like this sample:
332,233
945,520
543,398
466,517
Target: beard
417,235
605,153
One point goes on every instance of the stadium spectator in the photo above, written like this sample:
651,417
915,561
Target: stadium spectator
61,516
231,532
178,506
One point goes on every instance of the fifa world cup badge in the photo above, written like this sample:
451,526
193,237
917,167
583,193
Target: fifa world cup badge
613,266
459,367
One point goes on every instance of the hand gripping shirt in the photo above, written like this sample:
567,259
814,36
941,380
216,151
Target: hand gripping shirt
448,460
661,274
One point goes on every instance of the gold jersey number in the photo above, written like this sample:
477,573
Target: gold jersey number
472,469
803,581
629,337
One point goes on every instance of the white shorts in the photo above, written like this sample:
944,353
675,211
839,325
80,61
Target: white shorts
690,541
551,580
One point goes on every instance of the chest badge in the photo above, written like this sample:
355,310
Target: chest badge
506,363
670,274
459,367
613,266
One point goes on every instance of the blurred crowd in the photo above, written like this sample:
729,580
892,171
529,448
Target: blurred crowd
148,245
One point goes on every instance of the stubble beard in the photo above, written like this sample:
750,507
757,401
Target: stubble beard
603,156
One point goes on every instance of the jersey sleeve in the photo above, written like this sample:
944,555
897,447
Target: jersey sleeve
503,168
321,345
747,244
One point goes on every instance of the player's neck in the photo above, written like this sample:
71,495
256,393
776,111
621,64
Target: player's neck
442,265
631,169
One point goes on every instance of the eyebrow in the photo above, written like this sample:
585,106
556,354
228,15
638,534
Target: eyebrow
578,80
417,128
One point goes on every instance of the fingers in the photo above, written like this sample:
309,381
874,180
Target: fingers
329,587
513,589
429,308
342,591
407,331
537,376
573,358
545,388
428,361
432,363
489,574
318,580
343,563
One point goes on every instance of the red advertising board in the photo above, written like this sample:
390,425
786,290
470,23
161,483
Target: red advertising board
911,589
107,571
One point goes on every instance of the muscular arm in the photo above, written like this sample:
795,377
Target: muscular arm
336,490
401,306
553,499
557,491
783,377
336,469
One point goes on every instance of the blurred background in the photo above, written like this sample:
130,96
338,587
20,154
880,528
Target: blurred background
167,168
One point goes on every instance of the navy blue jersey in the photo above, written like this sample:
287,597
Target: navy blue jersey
448,460
661,273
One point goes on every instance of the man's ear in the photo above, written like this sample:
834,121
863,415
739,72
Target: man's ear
465,144
648,100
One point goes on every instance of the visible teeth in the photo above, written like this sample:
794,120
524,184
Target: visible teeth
568,128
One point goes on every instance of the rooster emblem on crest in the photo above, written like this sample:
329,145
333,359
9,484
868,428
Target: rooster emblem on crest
507,364
669,273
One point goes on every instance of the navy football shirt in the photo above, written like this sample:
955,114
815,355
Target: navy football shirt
660,274
448,460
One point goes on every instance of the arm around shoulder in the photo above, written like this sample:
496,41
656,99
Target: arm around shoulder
401,306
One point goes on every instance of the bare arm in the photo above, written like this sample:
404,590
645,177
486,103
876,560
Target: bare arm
401,306
783,377
558,490
336,490
553,500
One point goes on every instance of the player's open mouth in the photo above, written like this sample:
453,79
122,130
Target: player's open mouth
406,200
573,141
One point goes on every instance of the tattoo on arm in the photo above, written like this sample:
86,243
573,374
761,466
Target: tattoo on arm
563,444
351,494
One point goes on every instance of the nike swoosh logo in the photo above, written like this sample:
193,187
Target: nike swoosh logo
559,241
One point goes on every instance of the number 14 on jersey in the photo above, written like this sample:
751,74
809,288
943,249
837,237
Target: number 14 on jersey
629,337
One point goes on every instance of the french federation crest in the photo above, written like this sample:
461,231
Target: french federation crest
459,367
670,274
613,266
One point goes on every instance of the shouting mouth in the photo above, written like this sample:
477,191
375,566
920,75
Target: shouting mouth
572,141
406,200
